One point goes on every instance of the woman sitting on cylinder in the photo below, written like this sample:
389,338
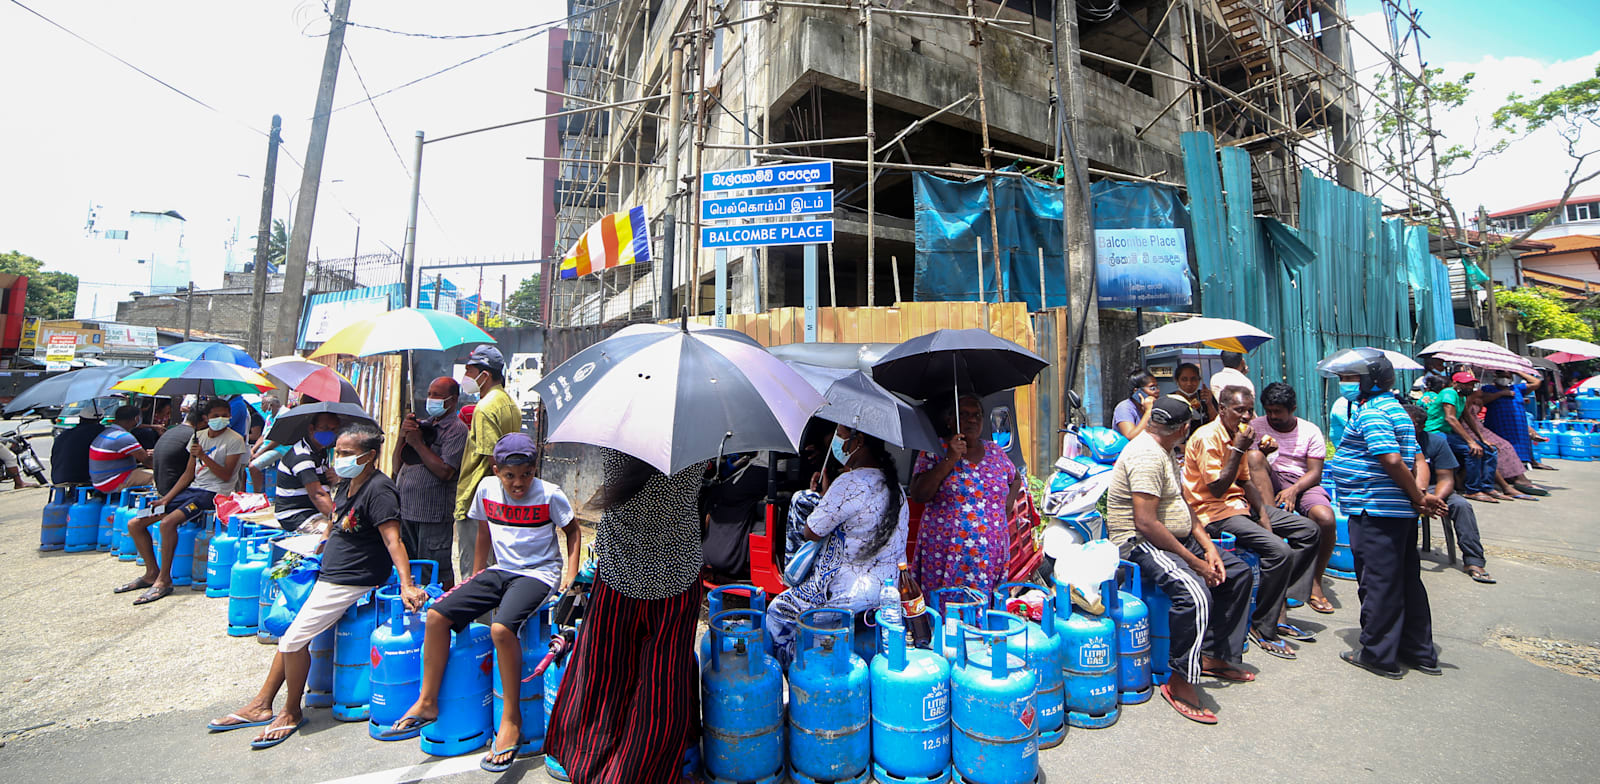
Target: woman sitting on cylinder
969,491
861,521
1132,415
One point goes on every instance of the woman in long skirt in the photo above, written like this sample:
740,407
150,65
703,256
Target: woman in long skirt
629,704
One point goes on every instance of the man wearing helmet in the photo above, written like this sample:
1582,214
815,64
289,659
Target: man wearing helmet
1372,471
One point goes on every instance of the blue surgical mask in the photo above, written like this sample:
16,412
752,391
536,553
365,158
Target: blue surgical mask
348,467
218,424
837,448
1350,390
435,407
324,438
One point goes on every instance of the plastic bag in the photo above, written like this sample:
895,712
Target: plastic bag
288,593
1085,566
239,503
1103,443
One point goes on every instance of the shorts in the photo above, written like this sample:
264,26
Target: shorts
517,597
1314,496
192,502
323,608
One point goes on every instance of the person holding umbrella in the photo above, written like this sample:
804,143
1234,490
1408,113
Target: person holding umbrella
968,492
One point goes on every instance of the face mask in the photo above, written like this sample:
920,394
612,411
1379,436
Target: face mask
218,423
435,406
348,467
837,448
1350,390
324,438
469,386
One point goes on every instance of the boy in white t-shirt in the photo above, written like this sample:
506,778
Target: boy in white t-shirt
517,515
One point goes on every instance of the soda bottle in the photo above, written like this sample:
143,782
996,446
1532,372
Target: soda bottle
914,611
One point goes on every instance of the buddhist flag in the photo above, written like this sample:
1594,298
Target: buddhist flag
617,239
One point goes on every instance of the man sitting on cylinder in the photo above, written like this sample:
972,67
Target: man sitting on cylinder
1288,461
1151,525
518,514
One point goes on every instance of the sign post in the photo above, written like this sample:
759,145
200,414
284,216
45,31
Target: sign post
60,351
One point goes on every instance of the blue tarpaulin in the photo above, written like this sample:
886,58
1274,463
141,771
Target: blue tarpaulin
953,216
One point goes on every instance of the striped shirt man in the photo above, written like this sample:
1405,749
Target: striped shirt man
303,465
111,458
1379,426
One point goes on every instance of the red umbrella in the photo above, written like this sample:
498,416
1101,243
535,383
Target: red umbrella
312,379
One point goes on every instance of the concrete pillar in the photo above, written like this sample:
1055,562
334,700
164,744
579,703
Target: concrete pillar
1075,210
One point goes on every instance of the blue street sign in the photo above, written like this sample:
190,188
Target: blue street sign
761,234
767,205
787,175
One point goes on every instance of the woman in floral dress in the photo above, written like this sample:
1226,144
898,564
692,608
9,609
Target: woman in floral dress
968,492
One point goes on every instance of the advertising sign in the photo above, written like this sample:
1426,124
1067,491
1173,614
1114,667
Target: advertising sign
327,318
1142,268
30,335
60,351
126,337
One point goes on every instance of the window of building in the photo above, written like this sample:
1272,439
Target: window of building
116,234
1583,212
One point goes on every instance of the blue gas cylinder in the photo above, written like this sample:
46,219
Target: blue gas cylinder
1133,637
126,549
244,588
183,558
716,602
108,520
828,702
219,561
1588,403
910,689
1254,562
742,699
1089,661
1041,649
266,595
957,605
1342,562
396,664
464,696
996,735
1160,606
534,637
1571,442
53,526
126,511
352,665
319,680
83,521
200,559
552,687
1592,440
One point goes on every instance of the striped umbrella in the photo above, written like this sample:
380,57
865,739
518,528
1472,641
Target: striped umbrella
405,329
310,378
615,240
203,349
1218,333
1478,353
195,377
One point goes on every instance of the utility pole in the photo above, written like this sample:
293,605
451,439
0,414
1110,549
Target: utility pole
502,298
669,232
408,251
188,311
294,274
258,295
1077,222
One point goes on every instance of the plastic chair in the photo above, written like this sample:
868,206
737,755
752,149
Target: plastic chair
1449,536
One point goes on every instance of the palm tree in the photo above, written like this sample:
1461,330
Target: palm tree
278,243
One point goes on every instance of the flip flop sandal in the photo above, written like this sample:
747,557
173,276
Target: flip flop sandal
1295,633
241,722
1184,709
1325,607
1425,669
1355,658
1230,674
153,594
1524,497
1545,467
268,743
136,585
1276,648
1539,491
1482,577
411,730
489,765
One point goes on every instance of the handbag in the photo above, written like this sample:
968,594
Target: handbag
799,565
288,594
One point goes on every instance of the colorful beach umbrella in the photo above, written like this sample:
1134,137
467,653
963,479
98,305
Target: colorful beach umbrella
1218,333
195,377
615,240
405,329
202,349
309,378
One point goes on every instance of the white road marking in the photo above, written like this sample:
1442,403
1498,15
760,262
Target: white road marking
423,772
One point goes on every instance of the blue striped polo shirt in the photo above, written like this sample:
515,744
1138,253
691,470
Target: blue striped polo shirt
1379,426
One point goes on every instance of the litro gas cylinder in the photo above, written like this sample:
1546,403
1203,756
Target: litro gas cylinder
219,562
1089,661
83,521
109,540
352,664
183,559
244,589
996,729
1160,606
1342,563
319,681
957,606
53,526
534,639
108,520
742,699
201,558
464,696
126,549
828,702
396,665
717,601
1041,649
1133,638
910,690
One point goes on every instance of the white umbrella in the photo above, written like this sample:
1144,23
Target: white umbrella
1218,333
1567,349
1401,361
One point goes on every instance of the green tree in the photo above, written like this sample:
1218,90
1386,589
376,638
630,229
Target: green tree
51,295
523,305
278,243
1541,315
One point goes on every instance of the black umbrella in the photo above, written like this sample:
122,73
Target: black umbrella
291,425
674,396
78,385
854,400
956,359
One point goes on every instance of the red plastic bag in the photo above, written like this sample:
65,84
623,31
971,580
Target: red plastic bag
239,503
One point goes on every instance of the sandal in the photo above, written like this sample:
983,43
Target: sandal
155,593
136,585
288,730
1478,574
1355,658
1295,633
1545,467
1193,713
1230,674
1320,604
1277,648
405,728
488,763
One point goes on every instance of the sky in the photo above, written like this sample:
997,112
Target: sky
83,129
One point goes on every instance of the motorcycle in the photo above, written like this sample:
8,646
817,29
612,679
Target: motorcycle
20,444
